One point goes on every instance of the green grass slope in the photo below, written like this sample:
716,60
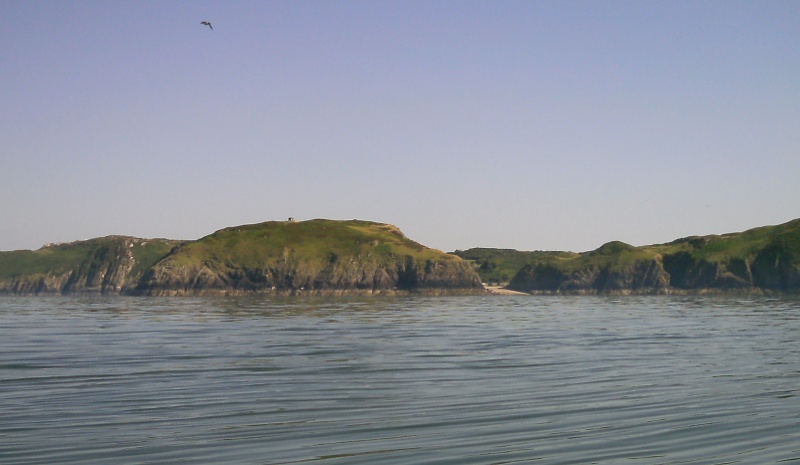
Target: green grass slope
319,256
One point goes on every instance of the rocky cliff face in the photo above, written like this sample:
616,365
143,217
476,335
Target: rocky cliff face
760,260
640,276
318,256
103,265
310,257
360,257
35,284
295,275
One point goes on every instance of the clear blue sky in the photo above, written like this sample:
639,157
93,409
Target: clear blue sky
555,125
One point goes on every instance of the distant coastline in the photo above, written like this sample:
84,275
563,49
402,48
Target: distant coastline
354,257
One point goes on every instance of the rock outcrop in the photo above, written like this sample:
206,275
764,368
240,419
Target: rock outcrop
353,276
104,265
614,268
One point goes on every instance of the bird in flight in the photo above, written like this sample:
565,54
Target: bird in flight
207,23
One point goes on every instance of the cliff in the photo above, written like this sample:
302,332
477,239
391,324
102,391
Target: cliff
317,256
361,257
104,265
763,259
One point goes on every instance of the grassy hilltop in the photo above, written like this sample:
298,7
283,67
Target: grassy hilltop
317,256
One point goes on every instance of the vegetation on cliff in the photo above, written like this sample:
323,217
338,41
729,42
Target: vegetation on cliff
346,257
760,259
105,265
317,256
498,266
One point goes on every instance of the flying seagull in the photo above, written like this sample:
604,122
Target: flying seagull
207,23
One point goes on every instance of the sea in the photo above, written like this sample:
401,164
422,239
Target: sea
629,380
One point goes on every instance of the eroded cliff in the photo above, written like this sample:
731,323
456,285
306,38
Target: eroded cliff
318,257
104,265
764,259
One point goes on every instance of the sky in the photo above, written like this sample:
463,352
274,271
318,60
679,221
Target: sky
532,125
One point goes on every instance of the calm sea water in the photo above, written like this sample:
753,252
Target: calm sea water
462,380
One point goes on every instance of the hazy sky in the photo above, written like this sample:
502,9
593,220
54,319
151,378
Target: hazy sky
555,125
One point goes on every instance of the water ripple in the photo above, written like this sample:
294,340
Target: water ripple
661,380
